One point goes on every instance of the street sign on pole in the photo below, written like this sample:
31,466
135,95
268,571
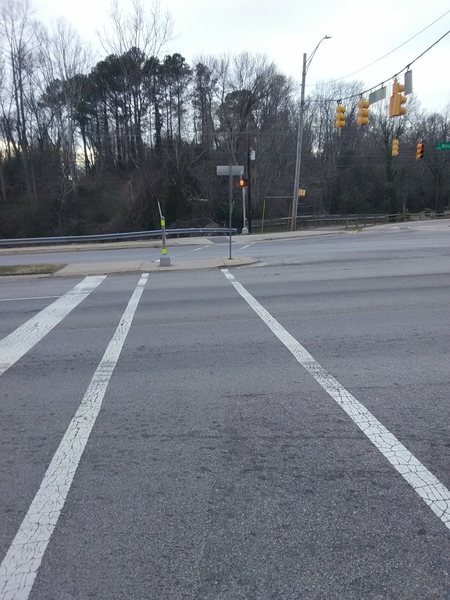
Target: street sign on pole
443,146
230,170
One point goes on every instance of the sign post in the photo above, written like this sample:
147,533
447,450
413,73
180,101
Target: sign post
230,170
164,261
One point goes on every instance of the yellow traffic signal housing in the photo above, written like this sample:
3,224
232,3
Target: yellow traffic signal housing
340,116
395,145
419,150
397,99
363,112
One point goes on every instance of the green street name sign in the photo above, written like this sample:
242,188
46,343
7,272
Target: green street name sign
443,146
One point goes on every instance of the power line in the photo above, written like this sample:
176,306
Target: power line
396,74
393,50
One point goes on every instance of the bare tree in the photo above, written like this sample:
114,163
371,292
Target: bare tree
144,26
17,33
63,60
434,128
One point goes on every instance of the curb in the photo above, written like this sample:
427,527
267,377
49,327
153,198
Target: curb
80,270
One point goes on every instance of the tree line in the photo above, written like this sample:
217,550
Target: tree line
92,147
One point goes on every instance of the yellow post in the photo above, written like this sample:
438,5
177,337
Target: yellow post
163,236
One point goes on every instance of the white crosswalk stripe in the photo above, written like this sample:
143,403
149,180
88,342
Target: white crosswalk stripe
20,341
22,561
427,486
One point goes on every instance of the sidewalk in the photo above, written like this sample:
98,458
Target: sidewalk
81,269
281,235
104,268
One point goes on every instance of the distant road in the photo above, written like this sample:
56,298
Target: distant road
274,431
402,237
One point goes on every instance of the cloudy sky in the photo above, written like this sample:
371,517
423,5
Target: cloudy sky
362,32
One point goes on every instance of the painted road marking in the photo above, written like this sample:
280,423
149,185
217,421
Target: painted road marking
178,254
31,298
20,341
427,486
21,563
197,249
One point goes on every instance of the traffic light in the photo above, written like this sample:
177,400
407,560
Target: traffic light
243,182
363,112
419,150
395,145
340,116
397,99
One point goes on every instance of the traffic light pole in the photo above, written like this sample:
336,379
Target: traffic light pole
249,185
244,216
230,206
298,160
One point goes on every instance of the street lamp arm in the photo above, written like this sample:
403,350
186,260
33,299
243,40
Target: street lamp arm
311,56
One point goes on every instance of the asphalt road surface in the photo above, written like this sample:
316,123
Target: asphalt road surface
277,431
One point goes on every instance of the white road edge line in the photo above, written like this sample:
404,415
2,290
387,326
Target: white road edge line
20,341
21,563
427,486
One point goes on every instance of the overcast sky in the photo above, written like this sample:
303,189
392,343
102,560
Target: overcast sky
361,33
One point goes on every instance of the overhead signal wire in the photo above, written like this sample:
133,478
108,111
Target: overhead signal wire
393,50
396,74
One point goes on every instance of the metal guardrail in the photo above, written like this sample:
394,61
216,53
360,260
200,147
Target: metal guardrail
353,220
114,237
283,223
305,221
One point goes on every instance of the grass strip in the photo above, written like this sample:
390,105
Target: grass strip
30,269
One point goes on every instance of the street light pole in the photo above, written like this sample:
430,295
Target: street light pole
298,160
